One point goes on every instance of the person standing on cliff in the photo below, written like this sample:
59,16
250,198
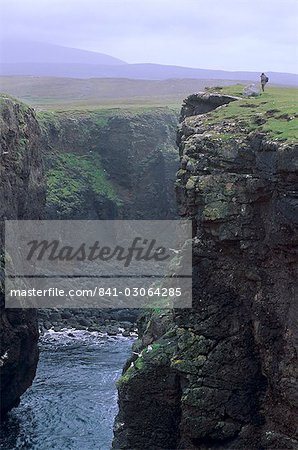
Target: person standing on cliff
264,80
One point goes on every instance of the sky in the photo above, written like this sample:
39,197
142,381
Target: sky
256,35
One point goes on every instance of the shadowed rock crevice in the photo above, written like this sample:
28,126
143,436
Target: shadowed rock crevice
204,102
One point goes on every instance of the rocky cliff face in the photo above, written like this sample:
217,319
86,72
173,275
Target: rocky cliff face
22,196
223,375
106,165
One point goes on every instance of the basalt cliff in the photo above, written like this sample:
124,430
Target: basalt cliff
223,375
22,196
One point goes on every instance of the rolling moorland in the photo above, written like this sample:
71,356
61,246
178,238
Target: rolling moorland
52,93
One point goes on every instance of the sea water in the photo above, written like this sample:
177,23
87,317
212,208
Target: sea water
72,403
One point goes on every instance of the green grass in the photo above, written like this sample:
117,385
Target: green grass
276,107
136,104
100,115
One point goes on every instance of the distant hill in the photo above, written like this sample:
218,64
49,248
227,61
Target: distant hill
33,54
36,59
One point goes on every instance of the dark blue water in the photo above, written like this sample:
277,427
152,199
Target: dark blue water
73,400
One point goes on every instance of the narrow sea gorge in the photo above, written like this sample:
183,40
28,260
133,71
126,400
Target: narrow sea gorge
220,374
72,403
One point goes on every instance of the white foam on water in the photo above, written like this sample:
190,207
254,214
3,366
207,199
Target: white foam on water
70,336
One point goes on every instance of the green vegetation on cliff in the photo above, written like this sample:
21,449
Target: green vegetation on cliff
75,177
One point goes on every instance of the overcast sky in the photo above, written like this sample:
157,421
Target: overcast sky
253,35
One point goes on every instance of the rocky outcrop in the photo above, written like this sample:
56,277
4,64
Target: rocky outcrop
110,164
223,375
22,196
204,102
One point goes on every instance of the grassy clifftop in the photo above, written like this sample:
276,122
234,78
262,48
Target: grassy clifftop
274,112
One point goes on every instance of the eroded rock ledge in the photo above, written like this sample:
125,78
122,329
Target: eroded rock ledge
223,375
22,196
204,102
